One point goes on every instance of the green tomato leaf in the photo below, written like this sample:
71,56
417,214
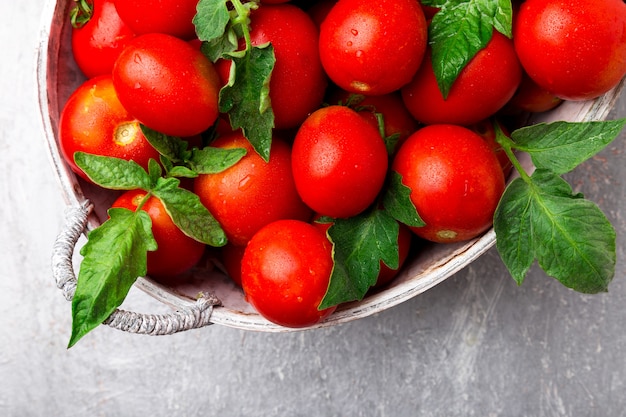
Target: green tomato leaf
569,236
459,30
359,244
188,213
246,97
211,160
397,202
114,256
113,173
562,146
211,19
171,147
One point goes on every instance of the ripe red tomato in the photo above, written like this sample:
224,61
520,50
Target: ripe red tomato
487,131
396,118
339,162
97,44
575,49
174,17
230,255
373,48
285,272
251,193
94,121
531,98
167,84
455,179
298,81
176,252
482,88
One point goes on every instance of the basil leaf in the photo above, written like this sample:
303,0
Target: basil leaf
461,29
188,213
246,97
569,236
114,256
562,146
113,173
397,202
359,244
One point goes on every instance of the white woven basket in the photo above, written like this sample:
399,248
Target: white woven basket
58,76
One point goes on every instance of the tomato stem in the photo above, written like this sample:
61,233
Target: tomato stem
243,13
81,13
507,146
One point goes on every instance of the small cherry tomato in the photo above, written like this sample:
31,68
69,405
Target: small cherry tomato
373,48
530,98
487,131
97,44
176,252
455,179
94,121
575,49
298,80
339,162
251,193
173,17
482,88
167,84
285,272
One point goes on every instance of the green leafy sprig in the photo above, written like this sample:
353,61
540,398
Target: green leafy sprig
245,98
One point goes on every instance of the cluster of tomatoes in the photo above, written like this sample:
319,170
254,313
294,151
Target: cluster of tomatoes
329,155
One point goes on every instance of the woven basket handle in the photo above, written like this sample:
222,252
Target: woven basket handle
186,318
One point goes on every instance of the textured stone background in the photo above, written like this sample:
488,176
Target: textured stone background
476,345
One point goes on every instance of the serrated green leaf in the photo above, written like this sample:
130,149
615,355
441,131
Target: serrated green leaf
114,256
113,173
246,97
461,29
569,236
211,160
216,48
211,19
171,147
562,146
397,201
188,213
360,243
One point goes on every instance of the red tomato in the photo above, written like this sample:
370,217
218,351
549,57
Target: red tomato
231,255
482,88
174,17
285,272
575,49
97,44
176,252
298,81
339,162
455,179
319,10
396,118
167,84
373,47
94,121
531,98
252,193
386,274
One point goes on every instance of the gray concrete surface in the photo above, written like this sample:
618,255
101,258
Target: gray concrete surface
476,345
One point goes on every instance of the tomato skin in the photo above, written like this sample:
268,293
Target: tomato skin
251,193
531,98
167,84
176,252
487,131
482,88
173,17
97,44
455,179
285,272
339,162
298,80
575,49
373,48
94,121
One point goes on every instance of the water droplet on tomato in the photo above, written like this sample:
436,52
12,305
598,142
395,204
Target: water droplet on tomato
245,183
354,32
359,54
